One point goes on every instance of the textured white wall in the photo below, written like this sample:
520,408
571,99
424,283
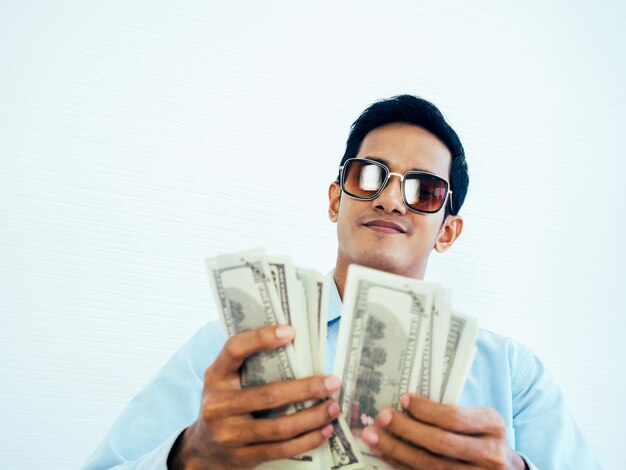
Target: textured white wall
138,137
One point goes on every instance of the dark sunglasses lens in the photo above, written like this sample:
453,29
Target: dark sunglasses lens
424,192
362,178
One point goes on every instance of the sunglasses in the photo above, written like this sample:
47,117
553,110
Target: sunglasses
422,192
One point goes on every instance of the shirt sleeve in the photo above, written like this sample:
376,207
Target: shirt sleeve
545,433
527,462
142,436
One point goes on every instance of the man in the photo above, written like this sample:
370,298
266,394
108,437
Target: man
194,413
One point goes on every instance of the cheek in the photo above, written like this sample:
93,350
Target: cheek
425,234
344,225
347,213
427,225
347,230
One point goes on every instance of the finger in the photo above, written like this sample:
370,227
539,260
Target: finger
454,418
256,454
288,427
271,396
242,345
391,448
434,439
396,464
285,427
390,460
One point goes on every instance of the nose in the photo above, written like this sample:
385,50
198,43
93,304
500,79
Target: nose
390,198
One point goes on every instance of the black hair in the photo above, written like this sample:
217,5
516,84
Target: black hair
419,112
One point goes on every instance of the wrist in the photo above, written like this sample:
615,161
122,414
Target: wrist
178,458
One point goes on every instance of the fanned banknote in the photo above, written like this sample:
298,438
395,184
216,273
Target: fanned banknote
343,449
294,304
459,355
252,291
244,289
430,375
316,288
380,345
397,335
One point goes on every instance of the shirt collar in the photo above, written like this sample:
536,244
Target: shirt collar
334,301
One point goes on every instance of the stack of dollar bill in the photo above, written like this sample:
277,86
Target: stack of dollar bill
397,335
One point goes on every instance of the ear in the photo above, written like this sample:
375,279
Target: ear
452,228
334,194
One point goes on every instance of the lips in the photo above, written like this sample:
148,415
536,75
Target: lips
385,226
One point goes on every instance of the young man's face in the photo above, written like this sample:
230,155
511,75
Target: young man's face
362,239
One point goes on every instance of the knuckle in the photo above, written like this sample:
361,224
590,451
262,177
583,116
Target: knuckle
498,426
279,451
253,434
493,457
454,418
210,410
211,378
444,440
282,429
495,416
496,463
388,445
317,387
267,395
304,443
500,431
232,348
224,437
322,415
266,336
317,440
208,373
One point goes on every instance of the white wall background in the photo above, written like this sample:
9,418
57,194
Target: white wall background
138,137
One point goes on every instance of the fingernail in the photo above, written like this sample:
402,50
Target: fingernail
333,409
284,332
327,430
370,436
404,401
332,383
384,417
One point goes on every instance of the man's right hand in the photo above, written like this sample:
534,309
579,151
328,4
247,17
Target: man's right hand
226,436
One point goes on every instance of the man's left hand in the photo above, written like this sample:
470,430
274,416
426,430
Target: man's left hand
436,436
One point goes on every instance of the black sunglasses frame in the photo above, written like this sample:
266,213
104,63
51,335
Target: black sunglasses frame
388,174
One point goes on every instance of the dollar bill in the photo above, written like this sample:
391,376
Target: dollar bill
246,298
343,452
380,345
430,375
244,289
448,351
458,356
294,304
252,291
425,379
316,288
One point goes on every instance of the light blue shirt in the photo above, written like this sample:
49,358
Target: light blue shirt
506,376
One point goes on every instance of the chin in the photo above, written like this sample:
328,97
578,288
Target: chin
381,260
